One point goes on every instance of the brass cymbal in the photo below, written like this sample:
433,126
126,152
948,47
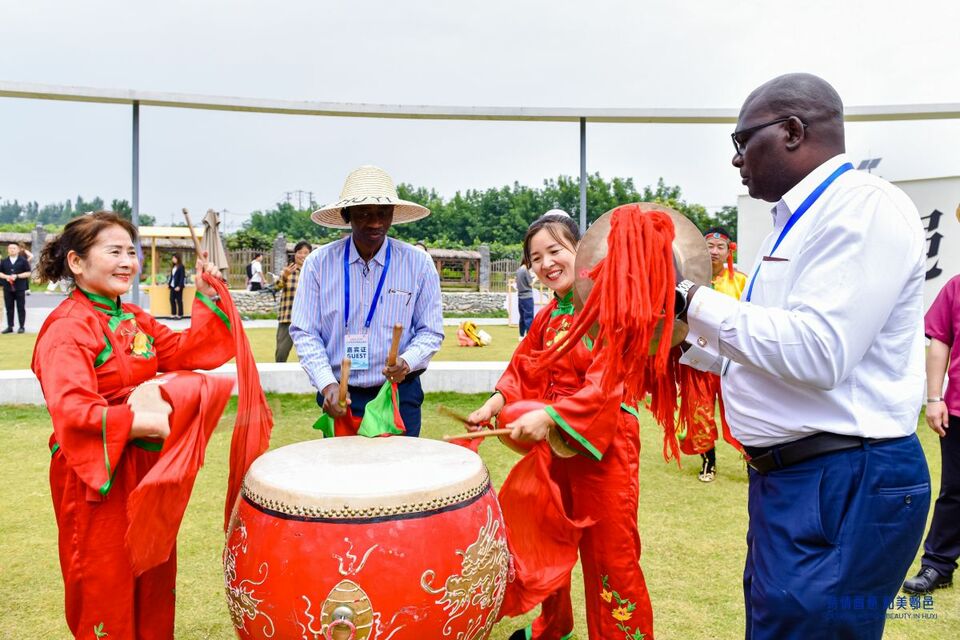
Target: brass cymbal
689,249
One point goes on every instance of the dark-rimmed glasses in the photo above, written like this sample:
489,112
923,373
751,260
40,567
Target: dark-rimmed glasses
740,142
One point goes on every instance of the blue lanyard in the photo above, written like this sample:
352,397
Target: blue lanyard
346,284
802,209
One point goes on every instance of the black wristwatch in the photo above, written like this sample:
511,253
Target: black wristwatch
681,302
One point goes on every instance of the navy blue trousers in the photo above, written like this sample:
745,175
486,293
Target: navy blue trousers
525,307
942,546
411,398
831,539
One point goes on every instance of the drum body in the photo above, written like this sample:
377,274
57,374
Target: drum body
366,539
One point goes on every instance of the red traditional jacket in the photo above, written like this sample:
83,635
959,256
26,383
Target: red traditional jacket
587,417
91,353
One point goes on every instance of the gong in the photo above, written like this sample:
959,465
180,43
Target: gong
689,251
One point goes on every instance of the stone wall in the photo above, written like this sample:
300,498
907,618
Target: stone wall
471,302
250,302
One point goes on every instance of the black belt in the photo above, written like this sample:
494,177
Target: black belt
767,459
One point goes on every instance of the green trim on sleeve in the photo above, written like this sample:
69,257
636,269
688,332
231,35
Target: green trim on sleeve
213,307
569,636
635,412
147,445
104,355
106,456
54,449
594,452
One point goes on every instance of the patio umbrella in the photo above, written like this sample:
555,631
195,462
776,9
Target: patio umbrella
211,240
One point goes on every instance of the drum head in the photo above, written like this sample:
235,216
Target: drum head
357,477
689,250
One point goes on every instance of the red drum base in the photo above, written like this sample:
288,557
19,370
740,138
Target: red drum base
366,539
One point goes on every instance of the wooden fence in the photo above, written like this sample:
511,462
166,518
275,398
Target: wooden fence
239,259
501,272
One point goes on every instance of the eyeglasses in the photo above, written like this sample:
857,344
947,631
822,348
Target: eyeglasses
740,141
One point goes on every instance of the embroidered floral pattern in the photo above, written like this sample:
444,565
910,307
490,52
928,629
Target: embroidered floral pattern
142,344
99,632
556,334
621,609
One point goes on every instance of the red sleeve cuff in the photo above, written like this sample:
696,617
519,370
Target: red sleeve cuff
115,427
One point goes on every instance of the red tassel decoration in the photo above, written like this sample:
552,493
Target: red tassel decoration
731,248
632,298
251,431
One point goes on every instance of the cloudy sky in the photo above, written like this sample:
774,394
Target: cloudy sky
531,53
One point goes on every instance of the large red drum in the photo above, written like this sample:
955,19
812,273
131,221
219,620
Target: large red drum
366,539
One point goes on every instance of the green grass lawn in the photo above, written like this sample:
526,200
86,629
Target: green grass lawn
693,534
16,350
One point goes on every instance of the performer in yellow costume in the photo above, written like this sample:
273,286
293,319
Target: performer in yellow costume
731,282
726,279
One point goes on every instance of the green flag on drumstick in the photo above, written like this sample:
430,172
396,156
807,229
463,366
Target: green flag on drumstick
381,416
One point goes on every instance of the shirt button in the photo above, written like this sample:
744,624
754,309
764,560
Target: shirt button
908,499
702,341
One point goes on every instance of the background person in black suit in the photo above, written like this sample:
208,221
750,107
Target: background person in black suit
177,281
15,270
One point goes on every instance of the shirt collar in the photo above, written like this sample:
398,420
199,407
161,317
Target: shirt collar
380,257
792,199
564,305
101,303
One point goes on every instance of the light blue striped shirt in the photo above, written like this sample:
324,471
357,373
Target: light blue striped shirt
410,297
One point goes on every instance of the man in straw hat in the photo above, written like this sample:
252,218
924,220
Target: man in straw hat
821,366
353,291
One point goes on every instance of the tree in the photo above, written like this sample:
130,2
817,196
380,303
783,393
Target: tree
249,239
498,216
10,212
293,224
123,208
727,218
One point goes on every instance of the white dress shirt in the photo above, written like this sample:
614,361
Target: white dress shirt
832,338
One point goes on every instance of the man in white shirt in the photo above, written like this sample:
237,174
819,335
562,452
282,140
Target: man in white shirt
821,363
256,272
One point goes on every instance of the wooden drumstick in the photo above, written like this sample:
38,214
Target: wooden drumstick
193,234
344,380
477,434
395,345
450,413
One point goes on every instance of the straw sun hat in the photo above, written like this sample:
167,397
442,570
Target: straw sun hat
368,185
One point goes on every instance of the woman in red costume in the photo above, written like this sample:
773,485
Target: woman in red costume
600,486
90,354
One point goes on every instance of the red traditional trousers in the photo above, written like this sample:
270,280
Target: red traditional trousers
607,492
101,594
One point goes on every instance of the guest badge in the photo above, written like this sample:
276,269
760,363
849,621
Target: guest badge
356,350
